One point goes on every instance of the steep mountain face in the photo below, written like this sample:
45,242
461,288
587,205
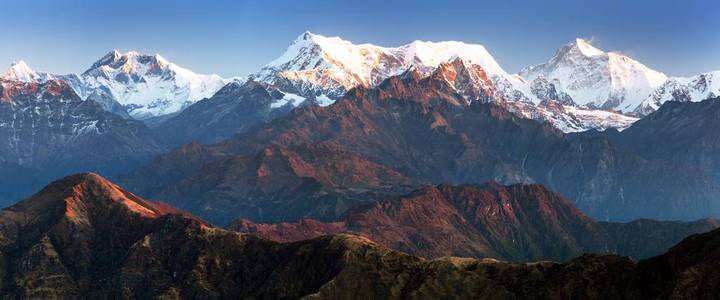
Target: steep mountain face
679,132
325,68
423,129
471,81
278,183
240,106
21,72
689,89
516,223
147,85
83,236
233,109
591,77
47,126
329,66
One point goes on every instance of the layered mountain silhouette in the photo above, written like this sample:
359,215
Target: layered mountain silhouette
49,131
234,109
679,132
516,223
415,129
84,237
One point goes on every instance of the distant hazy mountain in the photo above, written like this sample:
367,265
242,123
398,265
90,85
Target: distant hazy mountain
520,222
234,109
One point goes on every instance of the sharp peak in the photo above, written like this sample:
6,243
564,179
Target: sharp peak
455,63
585,47
324,41
19,70
21,63
310,36
114,55
92,188
79,178
307,34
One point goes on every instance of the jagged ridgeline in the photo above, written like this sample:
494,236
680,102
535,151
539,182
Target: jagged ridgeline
85,237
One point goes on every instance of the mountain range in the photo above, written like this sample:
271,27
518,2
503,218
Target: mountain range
605,169
332,131
48,130
411,130
518,223
580,88
83,236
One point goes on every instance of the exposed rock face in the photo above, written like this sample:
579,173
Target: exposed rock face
278,183
422,129
45,125
234,109
682,89
516,223
326,68
84,237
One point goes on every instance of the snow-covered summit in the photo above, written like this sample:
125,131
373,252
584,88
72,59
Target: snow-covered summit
147,85
317,65
682,89
584,47
592,77
20,71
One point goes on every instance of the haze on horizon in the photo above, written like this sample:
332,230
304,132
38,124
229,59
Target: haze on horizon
234,38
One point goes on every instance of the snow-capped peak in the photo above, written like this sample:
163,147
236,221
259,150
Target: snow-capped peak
148,85
595,78
20,71
316,65
682,89
586,48
131,62
432,54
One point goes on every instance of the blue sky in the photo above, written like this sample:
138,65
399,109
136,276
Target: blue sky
237,37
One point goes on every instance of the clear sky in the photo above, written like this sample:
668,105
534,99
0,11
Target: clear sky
231,38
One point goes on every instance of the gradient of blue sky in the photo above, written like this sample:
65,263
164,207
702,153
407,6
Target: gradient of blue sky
237,37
